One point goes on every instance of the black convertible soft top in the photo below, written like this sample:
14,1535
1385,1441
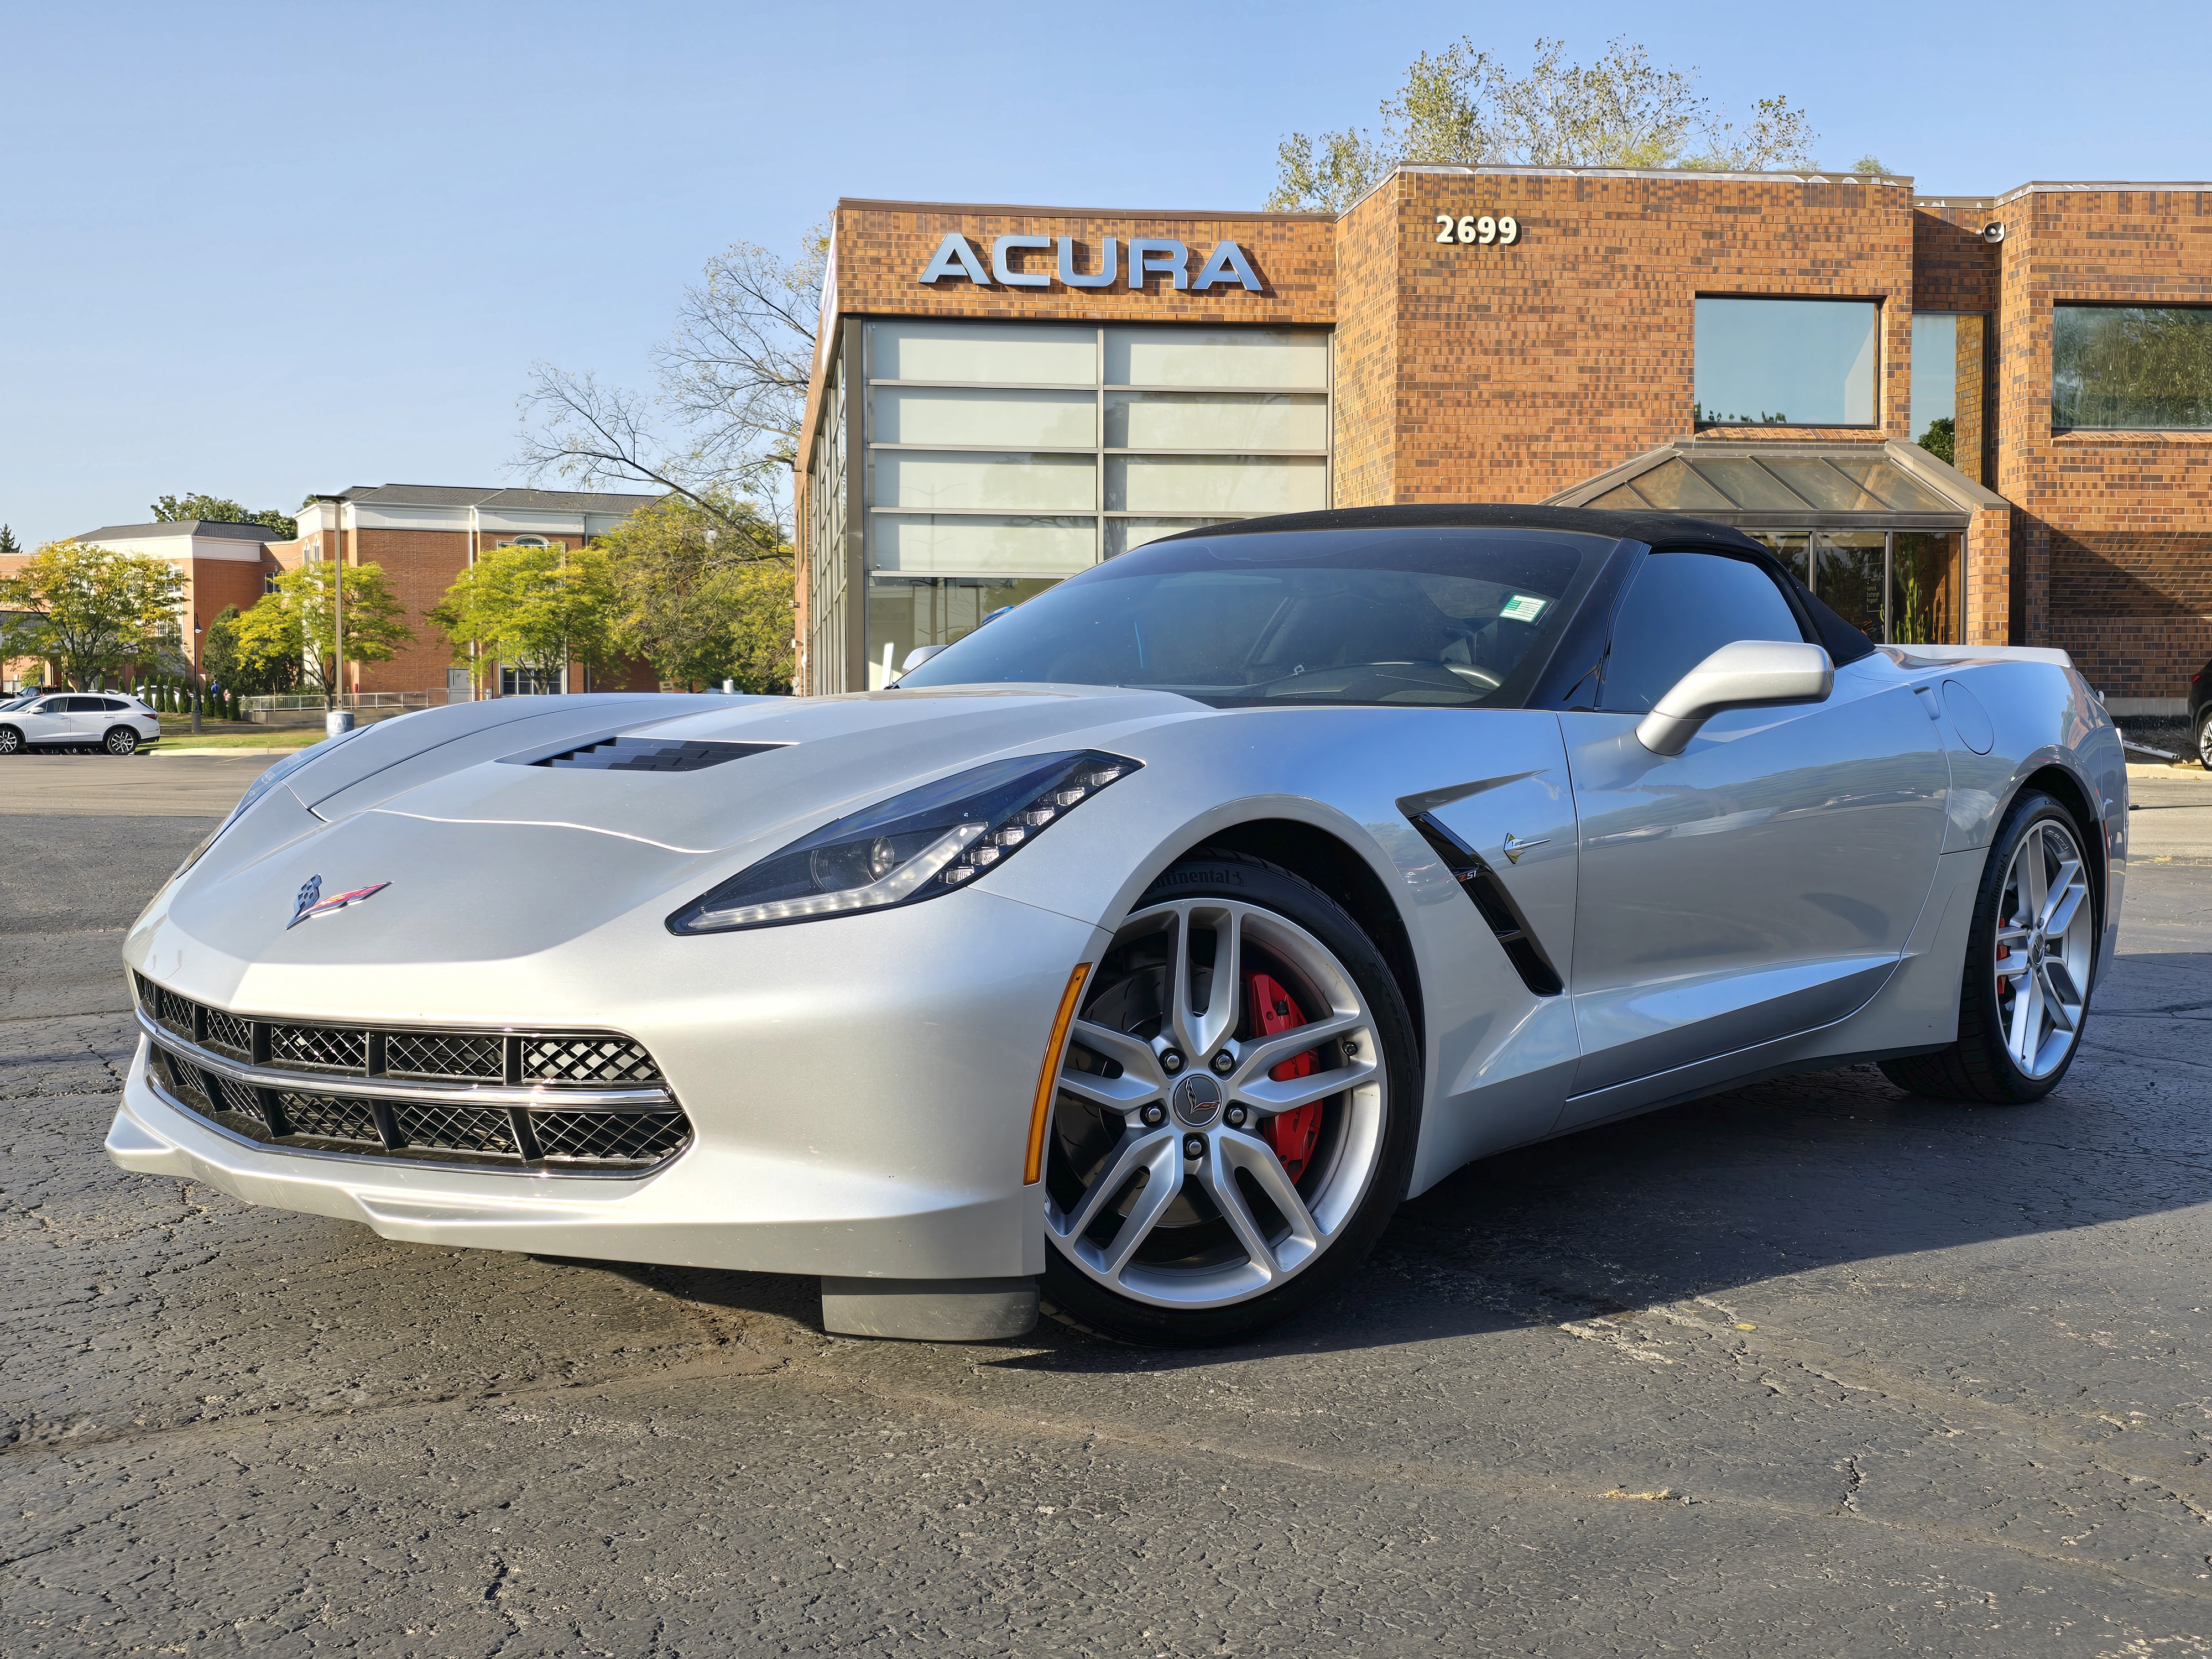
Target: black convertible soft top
1653,529
1844,643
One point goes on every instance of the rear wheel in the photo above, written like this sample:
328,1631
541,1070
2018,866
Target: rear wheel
2030,961
1234,1119
11,740
121,740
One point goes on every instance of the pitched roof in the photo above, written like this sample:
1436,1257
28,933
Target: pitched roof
558,500
213,530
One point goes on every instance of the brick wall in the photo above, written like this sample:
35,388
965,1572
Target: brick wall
1366,350
1522,371
2116,527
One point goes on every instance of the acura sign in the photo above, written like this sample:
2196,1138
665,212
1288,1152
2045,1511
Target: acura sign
1149,256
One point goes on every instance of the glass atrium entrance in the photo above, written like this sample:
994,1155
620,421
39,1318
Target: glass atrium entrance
1878,531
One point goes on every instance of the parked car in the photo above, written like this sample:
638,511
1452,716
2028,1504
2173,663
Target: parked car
79,720
2200,713
1153,941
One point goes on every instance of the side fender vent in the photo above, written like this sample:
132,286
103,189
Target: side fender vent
1480,884
650,755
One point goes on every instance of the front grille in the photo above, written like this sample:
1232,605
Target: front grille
444,1054
318,1048
525,1126
327,1117
585,1060
624,1136
227,1034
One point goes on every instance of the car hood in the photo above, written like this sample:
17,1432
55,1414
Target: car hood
492,857
821,756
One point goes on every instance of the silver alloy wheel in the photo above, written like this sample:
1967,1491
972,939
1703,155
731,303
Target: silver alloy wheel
1146,1174
10,739
122,741
2045,944
2204,741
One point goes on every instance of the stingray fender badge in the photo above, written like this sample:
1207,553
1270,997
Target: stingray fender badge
310,903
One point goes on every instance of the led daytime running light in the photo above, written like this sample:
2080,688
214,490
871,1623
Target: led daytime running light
899,884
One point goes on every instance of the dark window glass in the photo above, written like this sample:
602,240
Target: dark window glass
1786,363
1850,578
113,705
1681,609
2132,366
1445,616
80,705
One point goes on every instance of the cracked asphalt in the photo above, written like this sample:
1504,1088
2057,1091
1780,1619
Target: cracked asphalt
1807,1368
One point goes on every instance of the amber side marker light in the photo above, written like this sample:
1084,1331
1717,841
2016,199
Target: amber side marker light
1048,1078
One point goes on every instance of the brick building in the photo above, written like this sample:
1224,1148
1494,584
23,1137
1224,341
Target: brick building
1004,396
223,564
423,535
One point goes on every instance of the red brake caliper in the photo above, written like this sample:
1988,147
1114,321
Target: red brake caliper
1291,1134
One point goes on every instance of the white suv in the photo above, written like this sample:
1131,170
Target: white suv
79,720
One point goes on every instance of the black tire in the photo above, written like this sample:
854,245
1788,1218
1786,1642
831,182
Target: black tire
2205,741
1978,1066
120,740
1075,1298
11,740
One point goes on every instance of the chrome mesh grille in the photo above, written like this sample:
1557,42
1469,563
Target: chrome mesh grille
319,1048
236,1096
327,1117
585,1060
444,1054
454,1129
639,1137
227,1034
441,1120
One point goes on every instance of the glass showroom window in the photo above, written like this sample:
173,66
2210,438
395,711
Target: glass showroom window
1786,363
2139,368
1896,586
1003,457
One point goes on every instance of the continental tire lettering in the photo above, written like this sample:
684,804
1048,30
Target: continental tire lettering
1198,878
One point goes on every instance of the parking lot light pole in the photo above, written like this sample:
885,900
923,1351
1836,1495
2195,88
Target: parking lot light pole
197,631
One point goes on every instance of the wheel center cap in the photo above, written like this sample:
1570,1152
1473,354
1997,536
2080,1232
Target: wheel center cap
1197,1101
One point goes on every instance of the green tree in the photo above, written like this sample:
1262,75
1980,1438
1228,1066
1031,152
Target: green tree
220,510
1868,162
9,545
91,610
300,623
1462,107
538,608
1940,440
223,653
706,597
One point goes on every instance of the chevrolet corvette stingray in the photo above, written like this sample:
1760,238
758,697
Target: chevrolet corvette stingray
1140,952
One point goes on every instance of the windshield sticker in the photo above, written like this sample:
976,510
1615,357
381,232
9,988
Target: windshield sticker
1522,608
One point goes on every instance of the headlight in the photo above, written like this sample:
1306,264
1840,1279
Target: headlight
261,785
917,846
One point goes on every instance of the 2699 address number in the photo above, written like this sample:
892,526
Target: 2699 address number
1478,229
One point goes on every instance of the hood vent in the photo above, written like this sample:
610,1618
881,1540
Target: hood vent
650,755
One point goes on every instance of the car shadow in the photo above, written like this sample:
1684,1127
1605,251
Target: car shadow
1789,1176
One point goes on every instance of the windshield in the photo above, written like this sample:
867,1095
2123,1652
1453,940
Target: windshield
1452,617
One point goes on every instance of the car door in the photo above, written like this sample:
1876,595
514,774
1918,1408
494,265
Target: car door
1763,881
48,722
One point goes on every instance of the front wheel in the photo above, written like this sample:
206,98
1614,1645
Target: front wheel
11,740
2205,741
121,740
2030,961
1235,1119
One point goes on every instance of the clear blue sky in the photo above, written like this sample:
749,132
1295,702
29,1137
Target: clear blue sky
266,250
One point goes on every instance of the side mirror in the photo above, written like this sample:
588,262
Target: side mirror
1748,674
919,655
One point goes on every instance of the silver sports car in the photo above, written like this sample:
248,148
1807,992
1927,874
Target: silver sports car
1145,947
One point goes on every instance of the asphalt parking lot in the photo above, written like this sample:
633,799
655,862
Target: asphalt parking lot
1807,1368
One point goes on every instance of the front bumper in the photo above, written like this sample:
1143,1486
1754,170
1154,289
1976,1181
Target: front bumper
860,1092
